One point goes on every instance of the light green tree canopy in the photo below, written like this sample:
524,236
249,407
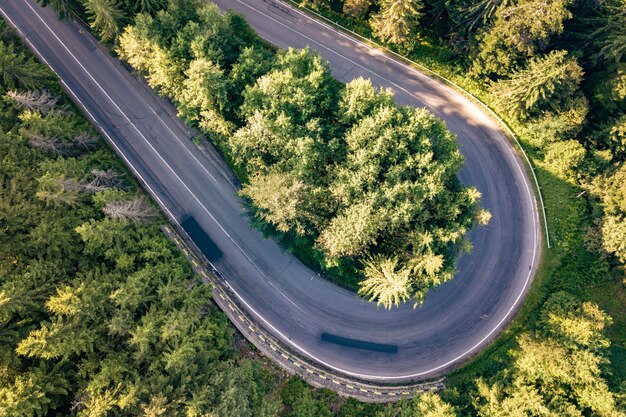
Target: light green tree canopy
397,20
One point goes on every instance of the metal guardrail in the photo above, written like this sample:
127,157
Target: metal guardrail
314,374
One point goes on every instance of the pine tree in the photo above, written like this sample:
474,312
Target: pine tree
106,16
479,13
150,6
16,70
519,32
397,20
610,37
549,84
385,283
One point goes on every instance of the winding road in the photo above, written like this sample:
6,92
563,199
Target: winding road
317,319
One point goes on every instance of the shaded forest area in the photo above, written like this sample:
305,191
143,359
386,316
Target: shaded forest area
563,356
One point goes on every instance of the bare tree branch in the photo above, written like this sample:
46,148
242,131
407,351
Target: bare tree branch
42,100
59,147
52,145
104,180
137,210
85,141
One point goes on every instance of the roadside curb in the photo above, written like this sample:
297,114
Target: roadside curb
275,350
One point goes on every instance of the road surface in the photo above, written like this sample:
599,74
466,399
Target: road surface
330,325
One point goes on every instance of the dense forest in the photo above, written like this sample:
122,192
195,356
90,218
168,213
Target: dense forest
82,261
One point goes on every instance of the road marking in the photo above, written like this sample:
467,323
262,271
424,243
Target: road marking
471,349
285,295
147,142
475,346
476,99
94,120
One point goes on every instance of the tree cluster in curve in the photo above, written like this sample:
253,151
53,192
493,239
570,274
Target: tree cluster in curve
370,185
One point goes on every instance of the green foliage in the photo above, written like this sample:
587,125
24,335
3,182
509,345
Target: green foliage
32,393
383,177
356,8
484,36
469,16
150,6
610,38
556,372
431,405
341,170
300,87
611,189
519,32
397,20
146,56
554,127
252,63
106,16
98,316
548,84
565,157
203,95
18,70
505,38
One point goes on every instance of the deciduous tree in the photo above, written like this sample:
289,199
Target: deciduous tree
356,8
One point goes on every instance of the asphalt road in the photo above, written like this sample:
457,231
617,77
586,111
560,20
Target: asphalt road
330,325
